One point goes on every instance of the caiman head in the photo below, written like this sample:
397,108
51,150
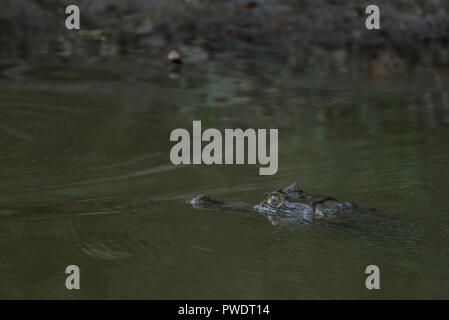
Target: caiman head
292,200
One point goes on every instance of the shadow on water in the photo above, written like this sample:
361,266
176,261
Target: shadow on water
86,179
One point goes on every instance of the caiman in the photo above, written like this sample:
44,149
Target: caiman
290,201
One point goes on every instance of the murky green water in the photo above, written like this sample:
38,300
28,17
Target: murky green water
86,179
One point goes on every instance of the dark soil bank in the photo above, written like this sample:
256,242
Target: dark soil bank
300,33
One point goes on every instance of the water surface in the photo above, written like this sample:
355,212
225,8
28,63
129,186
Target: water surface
86,179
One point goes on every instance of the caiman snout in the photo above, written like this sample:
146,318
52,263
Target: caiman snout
202,200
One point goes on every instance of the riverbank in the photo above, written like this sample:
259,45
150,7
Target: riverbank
330,34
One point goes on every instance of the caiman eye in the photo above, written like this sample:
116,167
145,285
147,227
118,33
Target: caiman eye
275,200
